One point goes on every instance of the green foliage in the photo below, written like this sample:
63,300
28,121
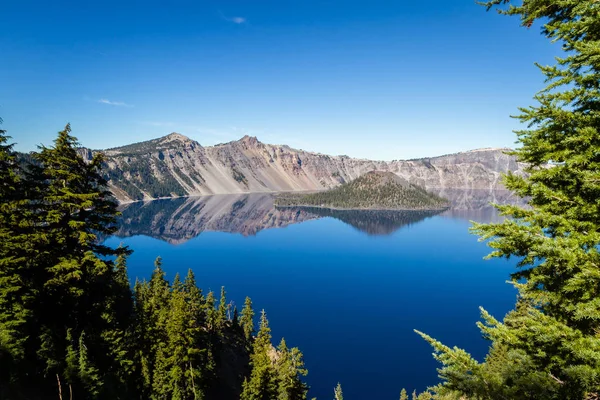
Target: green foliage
276,373
403,395
262,384
247,319
290,368
56,282
71,323
549,346
374,190
337,392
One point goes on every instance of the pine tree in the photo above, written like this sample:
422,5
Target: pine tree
175,376
337,392
548,347
153,298
88,372
55,278
211,313
119,335
15,293
262,384
403,395
247,319
290,369
223,309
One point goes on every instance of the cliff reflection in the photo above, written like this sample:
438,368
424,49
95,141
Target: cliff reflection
178,220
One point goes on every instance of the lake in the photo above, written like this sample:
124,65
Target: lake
346,287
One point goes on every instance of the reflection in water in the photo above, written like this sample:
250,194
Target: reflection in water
178,220
475,204
374,222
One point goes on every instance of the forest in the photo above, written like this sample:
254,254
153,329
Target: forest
73,326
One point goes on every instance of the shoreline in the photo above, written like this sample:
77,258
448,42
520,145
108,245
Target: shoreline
206,195
366,209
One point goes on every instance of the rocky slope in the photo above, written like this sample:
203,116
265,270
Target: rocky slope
175,165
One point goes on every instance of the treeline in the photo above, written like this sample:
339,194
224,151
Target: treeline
374,190
71,325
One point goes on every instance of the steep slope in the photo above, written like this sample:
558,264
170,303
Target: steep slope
375,190
175,165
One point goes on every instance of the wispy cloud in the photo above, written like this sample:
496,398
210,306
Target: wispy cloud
235,20
114,103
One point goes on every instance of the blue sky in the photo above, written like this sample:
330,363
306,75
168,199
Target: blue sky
377,79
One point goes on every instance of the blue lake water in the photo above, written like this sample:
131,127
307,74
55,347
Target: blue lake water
348,290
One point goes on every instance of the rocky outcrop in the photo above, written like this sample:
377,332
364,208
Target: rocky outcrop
175,165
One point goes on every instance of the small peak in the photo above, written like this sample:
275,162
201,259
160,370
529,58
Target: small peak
250,140
384,177
177,136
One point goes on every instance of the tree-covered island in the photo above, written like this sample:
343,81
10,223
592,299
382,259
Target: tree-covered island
375,190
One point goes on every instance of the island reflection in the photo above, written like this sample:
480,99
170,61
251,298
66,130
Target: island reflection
179,220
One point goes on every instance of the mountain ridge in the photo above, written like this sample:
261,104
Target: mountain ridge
175,165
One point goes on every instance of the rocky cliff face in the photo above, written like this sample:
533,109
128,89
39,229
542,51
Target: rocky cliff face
175,165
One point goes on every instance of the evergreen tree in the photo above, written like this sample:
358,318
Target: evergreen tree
55,280
119,334
262,384
290,369
211,313
247,319
548,347
337,392
70,322
178,373
15,295
223,309
153,298
199,352
403,395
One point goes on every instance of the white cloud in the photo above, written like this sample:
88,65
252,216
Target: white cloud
238,20
235,20
114,103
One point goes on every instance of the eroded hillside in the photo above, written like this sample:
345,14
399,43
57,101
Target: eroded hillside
175,165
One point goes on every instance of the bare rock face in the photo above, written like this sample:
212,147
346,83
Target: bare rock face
175,165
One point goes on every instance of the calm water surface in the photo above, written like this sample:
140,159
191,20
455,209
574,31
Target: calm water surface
346,288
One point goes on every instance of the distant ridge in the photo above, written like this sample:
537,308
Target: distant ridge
175,165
